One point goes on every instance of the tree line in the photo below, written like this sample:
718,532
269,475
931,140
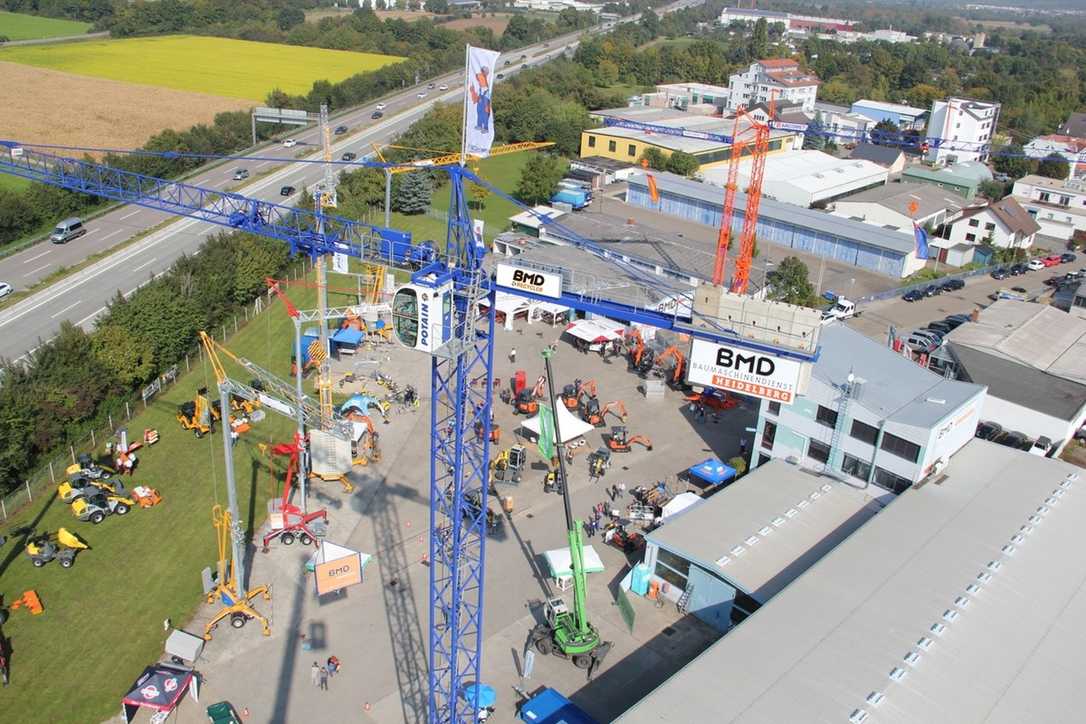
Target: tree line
71,383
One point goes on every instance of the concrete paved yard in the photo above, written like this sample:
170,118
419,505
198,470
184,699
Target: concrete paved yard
379,629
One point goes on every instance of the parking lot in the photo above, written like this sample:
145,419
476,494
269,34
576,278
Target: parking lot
379,629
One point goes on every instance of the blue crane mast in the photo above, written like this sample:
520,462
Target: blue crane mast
460,344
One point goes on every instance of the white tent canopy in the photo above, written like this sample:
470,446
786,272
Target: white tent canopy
570,426
596,330
679,503
508,303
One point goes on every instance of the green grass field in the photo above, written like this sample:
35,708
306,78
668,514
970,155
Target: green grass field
13,183
219,66
103,617
17,26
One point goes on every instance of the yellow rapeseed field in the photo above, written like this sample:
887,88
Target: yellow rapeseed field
218,66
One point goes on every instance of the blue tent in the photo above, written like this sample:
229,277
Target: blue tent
349,336
712,471
550,707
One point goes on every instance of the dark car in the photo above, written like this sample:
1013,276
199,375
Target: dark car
913,295
286,191
349,156
1055,281
524,66
959,318
1000,273
377,114
1012,438
1067,257
954,284
943,328
1020,290
340,130
932,289
501,75
1018,270
989,430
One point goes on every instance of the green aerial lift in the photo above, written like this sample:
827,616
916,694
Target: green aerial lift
567,633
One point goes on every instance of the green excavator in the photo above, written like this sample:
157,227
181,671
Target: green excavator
566,633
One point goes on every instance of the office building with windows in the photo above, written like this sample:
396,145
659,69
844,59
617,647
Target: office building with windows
871,415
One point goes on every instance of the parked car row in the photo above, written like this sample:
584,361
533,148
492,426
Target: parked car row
993,431
931,290
930,338
1032,265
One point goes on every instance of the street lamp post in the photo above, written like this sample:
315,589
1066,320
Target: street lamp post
765,277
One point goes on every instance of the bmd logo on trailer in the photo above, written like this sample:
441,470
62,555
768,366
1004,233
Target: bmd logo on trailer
530,280
746,371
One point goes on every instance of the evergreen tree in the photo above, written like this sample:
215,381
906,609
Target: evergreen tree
759,40
539,179
412,195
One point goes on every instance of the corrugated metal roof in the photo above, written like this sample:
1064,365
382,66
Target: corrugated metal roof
962,601
901,196
820,221
765,529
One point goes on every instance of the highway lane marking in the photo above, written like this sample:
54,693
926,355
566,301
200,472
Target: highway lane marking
37,256
92,231
149,261
112,233
90,316
66,309
32,272
128,216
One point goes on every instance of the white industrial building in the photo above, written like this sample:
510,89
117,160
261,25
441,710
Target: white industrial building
1004,224
774,78
1032,358
904,117
1069,148
1059,207
845,126
806,178
556,5
895,422
962,129
900,205
740,547
962,601
793,23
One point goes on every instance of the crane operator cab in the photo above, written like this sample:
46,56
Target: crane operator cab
422,313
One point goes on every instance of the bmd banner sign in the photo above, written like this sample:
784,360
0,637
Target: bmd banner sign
530,280
744,371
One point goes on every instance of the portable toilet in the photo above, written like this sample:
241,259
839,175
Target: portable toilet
639,582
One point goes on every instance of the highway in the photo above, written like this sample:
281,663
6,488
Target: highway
82,296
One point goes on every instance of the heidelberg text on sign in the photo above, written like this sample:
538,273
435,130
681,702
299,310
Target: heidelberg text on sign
744,371
530,280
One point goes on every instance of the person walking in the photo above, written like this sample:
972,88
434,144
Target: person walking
314,674
323,673
513,356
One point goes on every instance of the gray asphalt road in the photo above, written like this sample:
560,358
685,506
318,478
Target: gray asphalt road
83,296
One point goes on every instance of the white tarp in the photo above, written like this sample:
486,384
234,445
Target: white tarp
679,503
569,426
561,563
595,331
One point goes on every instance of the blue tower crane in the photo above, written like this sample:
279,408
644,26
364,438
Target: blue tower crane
436,314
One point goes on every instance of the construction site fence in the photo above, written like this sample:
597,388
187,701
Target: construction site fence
899,291
43,481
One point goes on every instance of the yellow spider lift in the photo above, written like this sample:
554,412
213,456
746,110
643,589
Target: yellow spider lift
236,601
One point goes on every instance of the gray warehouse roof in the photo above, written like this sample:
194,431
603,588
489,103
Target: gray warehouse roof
762,531
962,601
900,196
894,388
857,231
1022,385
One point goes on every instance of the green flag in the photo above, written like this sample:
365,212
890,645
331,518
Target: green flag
546,432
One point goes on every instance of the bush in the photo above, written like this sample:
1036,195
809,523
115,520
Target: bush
740,465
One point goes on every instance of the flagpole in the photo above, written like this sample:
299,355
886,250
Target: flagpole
464,113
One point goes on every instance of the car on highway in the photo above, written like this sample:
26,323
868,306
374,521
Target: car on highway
380,106
524,66
65,231
5,289
999,273
349,156
443,87
290,143
913,295
1051,260
241,174
377,114
1035,265
501,75
286,191
420,94
508,62
1018,270
1067,257
340,130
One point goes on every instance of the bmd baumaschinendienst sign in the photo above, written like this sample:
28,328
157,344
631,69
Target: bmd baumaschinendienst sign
744,371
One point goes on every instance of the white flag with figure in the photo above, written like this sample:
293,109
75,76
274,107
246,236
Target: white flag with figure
479,113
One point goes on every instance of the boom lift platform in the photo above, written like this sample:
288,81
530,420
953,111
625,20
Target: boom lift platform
227,586
288,521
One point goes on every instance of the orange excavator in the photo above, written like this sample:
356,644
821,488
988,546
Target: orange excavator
572,394
525,403
621,441
596,416
674,373
635,347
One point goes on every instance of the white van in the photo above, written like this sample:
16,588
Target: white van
67,230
